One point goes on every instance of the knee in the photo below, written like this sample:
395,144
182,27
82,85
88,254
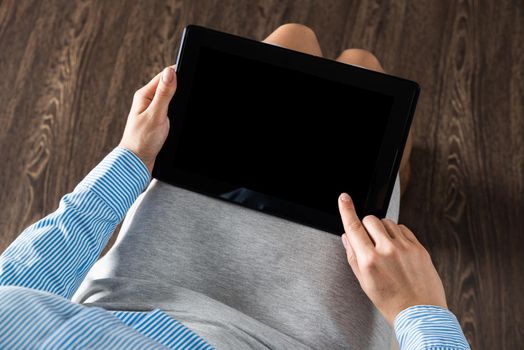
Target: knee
297,30
360,57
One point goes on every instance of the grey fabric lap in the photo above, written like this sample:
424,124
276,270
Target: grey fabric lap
237,277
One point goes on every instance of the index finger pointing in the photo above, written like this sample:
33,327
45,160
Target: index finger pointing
355,231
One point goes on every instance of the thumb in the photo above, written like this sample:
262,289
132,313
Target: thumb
164,92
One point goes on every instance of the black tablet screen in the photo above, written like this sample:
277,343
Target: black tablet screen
280,132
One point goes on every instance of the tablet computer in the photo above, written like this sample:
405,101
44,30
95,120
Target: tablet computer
283,132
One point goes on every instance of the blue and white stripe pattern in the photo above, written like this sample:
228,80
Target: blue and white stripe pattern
427,327
43,267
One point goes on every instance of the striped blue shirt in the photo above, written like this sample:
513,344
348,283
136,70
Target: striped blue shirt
44,266
428,327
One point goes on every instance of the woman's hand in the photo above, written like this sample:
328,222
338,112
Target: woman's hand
393,268
147,124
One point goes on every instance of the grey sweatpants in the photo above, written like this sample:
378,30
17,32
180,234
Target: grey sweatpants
237,277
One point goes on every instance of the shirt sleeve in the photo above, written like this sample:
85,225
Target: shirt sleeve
55,253
426,327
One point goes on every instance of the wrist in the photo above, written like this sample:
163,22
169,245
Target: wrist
402,308
146,161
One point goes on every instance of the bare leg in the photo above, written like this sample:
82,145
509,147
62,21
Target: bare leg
367,60
296,37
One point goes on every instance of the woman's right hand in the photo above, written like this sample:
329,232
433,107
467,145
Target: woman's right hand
147,125
393,268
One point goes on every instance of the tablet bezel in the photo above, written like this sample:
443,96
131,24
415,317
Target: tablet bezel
404,92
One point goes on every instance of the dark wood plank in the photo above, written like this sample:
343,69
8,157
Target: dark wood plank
69,69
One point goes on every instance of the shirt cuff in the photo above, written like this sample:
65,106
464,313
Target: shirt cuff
429,327
118,180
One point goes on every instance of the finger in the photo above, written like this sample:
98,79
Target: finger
164,92
356,233
350,253
150,88
392,228
376,230
410,236
144,95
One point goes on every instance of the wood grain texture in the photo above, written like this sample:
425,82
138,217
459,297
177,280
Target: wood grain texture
69,69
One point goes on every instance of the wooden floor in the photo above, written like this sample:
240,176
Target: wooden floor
69,68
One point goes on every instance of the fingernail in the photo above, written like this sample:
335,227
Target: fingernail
344,197
167,75
344,241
